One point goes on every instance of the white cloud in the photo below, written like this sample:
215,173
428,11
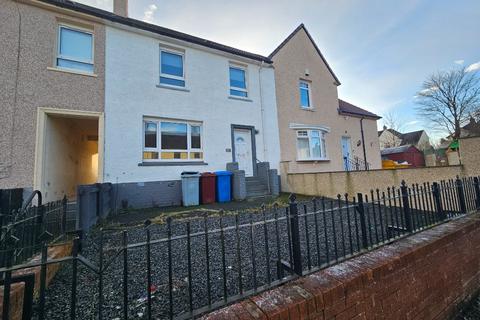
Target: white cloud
473,67
460,62
149,12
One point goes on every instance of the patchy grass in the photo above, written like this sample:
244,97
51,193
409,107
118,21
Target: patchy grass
135,217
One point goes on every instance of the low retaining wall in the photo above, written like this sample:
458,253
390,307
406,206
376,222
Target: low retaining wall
16,293
424,276
329,184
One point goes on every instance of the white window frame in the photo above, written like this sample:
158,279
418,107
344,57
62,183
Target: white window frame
323,144
159,149
309,90
166,75
59,56
245,72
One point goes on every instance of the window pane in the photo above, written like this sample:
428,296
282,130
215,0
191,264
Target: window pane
174,136
304,97
172,64
238,93
150,135
303,148
147,155
174,155
87,67
303,85
324,147
237,78
316,148
173,82
195,139
196,155
75,44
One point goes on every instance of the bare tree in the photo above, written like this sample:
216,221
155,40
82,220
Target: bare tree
448,99
393,123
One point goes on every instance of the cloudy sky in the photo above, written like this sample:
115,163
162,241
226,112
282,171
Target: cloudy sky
381,50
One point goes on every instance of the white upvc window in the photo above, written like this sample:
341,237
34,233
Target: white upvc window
305,95
238,81
172,67
172,140
311,145
74,49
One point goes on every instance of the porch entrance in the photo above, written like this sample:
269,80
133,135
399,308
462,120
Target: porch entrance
70,154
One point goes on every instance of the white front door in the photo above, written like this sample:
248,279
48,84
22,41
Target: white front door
346,152
243,150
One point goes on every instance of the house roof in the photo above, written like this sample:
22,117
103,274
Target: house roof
287,39
471,129
394,132
350,109
412,137
75,6
394,150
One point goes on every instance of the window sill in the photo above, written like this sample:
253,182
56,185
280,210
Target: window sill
164,86
72,72
240,98
314,160
312,109
171,163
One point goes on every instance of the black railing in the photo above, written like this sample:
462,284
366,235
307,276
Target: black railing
355,164
181,269
25,229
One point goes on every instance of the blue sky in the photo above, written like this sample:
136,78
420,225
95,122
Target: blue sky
380,50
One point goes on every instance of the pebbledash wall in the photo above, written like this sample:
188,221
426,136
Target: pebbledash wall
425,276
133,92
330,184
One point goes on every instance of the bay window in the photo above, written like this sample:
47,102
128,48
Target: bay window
171,140
311,145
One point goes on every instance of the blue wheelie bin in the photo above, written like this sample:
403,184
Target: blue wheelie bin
224,186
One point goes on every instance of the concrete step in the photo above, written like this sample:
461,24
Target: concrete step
257,187
259,193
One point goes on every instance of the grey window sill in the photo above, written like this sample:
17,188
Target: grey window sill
240,99
172,88
314,160
171,163
308,109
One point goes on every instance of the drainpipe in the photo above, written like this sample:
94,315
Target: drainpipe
363,143
265,150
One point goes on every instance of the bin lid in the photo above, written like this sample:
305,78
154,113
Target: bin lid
223,173
208,174
190,173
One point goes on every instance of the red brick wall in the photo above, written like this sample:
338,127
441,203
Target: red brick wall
424,276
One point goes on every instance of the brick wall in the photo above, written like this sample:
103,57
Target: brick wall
424,276
330,184
16,293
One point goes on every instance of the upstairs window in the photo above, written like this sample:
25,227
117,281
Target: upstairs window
305,101
238,83
75,49
172,140
311,145
171,68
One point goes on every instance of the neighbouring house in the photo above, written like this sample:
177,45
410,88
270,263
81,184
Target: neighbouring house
176,103
390,138
51,97
471,129
318,132
405,154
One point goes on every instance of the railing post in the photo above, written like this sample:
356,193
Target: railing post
438,201
64,214
363,225
295,232
477,192
461,195
406,207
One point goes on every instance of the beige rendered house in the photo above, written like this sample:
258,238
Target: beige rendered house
51,97
318,131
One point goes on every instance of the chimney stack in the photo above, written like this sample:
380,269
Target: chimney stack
120,7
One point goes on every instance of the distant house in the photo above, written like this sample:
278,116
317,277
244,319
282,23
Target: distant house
406,153
472,129
390,138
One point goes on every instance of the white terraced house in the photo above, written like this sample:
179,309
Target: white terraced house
176,103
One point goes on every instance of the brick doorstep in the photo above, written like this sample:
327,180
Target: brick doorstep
418,277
